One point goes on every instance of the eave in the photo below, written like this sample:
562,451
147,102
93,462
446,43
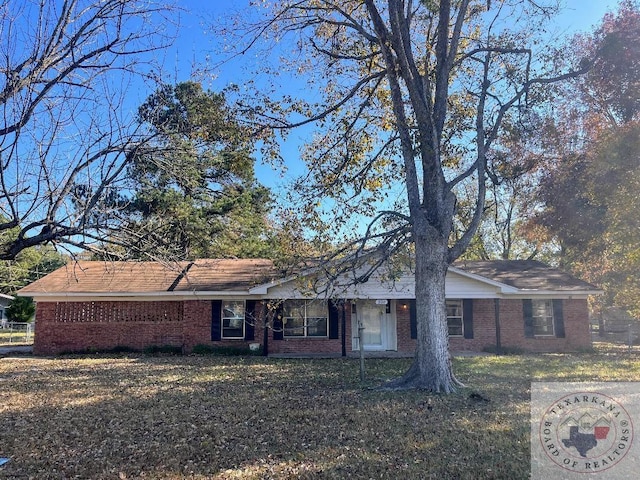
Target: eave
135,296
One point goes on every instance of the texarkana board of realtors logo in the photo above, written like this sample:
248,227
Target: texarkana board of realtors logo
584,428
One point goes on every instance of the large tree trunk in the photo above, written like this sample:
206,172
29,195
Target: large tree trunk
431,369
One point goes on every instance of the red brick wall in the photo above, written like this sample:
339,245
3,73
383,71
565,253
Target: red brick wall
68,326
197,326
406,344
484,328
576,324
76,326
197,315
79,326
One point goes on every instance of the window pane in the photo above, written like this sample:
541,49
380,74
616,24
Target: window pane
317,327
317,309
305,318
293,327
233,319
233,328
293,318
543,328
293,308
454,317
455,327
233,309
542,317
541,308
454,308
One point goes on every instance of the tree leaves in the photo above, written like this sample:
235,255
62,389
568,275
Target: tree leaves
21,309
195,191
590,188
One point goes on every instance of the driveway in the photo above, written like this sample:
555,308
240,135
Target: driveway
9,349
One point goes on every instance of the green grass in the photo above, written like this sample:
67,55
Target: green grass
14,337
197,417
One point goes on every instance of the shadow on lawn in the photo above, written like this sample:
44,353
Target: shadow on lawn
210,417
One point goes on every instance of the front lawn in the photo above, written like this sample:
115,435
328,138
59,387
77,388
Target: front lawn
125,417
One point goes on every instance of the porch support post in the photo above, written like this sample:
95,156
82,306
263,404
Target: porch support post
265,321
496,304
360,343
343,328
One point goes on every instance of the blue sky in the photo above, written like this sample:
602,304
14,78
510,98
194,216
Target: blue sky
195,45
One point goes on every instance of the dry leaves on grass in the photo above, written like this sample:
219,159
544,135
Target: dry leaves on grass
234,418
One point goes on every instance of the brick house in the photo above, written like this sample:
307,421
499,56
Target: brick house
101,305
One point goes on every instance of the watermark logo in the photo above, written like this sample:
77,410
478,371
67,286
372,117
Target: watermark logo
583,429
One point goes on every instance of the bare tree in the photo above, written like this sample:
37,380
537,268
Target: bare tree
411,93
66,69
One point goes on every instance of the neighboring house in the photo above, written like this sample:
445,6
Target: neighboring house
5,300
521,305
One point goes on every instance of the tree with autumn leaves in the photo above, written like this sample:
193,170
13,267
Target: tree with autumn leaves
591,182
409,100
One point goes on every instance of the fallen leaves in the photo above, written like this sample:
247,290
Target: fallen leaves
130,417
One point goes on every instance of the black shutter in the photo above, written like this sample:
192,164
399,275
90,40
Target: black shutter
334,323
413,320
216,320
527,313
467,317
278,333
558,318
250,320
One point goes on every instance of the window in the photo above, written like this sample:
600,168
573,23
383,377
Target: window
233,319
454,318
305,319
542,313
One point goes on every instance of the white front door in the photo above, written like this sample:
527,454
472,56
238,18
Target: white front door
379,326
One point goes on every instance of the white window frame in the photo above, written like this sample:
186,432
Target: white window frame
223,318
544,320
459,304
305,318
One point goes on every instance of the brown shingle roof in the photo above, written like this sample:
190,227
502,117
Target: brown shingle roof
239,275
525,275
212,275
145,277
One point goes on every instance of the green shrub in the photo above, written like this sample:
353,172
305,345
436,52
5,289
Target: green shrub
105,351
120,349
226,350
21,309
162,349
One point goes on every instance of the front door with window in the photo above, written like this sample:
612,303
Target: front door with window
379,326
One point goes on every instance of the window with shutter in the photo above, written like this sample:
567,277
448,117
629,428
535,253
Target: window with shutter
305,318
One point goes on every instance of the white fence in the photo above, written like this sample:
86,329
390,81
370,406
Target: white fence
16,332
